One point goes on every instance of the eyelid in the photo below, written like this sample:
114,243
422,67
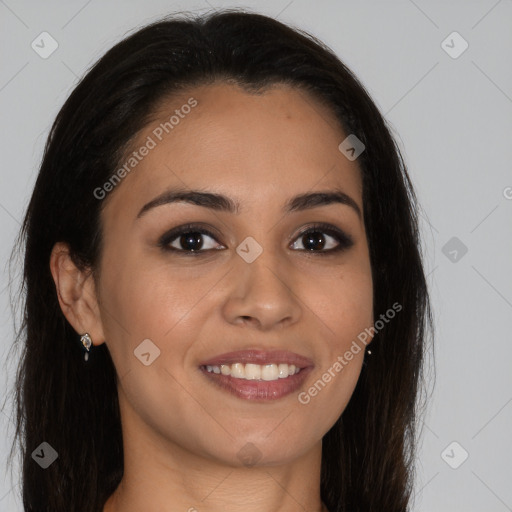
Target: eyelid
173,233
330,230
345,241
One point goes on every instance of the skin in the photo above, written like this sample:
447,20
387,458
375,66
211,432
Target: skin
181,433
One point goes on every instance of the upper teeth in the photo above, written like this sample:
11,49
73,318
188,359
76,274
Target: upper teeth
255,371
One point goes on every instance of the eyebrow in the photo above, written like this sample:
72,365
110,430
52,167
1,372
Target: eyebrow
223,203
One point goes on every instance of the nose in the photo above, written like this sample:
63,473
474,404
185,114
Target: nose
263,294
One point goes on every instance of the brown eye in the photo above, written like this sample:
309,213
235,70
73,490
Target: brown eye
315,240
318,239
187,240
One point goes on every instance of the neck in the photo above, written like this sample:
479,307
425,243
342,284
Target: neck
160,476
276,489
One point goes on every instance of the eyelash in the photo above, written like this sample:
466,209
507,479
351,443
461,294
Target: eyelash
344,240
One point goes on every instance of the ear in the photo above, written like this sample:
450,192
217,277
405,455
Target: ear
369,340
77,294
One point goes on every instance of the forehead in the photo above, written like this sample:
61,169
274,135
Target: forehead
219,137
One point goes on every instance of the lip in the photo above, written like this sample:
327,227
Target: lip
259,390
260,357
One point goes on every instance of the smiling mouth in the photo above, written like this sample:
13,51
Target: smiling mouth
258,375
251,371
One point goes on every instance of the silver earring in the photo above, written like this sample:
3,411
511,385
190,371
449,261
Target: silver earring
87,343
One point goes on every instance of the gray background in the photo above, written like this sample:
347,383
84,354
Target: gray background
453,120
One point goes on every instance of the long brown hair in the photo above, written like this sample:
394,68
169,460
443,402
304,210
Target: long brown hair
369,454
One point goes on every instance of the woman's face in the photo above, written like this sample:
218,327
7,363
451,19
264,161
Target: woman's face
255,284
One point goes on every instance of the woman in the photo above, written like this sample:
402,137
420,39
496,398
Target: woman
224,227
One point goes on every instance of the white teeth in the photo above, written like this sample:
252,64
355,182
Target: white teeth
237,370
252,371
283,371
269,372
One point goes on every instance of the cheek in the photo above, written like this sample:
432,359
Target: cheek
151,304
351,315
345,303
151,301
345,312
145,299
